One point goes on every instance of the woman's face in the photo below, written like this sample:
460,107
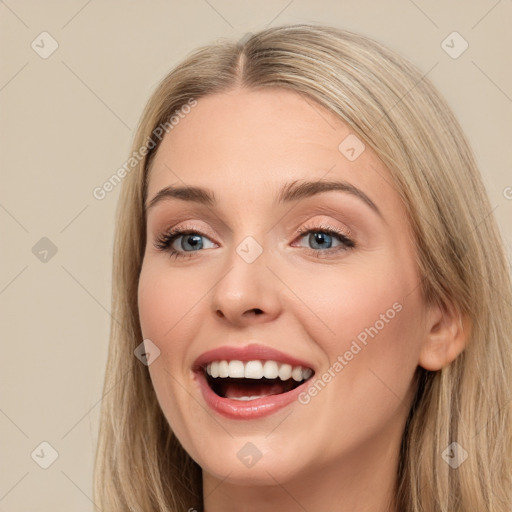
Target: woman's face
276,277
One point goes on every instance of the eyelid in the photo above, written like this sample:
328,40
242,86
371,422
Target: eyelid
317,219
174,216
161,239
326,225
164,241
347,242
189,226
304,227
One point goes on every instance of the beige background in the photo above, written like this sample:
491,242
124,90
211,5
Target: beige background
66,125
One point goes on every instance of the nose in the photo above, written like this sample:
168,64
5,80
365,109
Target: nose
247,292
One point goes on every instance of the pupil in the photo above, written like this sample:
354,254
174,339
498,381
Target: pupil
321,238
194,241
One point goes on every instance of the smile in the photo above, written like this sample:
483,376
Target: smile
250,382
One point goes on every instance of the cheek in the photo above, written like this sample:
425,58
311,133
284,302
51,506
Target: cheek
376,317
367,322
157,305
370,334
349,301
169,318
167,303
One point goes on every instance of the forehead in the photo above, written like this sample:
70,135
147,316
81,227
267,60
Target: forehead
246,143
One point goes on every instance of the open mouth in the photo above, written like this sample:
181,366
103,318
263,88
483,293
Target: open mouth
250,380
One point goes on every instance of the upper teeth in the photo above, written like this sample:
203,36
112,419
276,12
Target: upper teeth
257,370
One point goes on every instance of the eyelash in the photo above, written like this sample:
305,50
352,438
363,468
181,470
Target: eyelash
165,241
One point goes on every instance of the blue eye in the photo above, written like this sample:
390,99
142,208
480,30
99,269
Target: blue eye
321,240
193,240
189,241
183,243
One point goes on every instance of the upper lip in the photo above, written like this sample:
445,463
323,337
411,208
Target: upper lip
250,352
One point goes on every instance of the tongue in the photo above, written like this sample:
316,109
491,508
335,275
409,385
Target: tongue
231,388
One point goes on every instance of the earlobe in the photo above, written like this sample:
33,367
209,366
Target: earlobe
446,336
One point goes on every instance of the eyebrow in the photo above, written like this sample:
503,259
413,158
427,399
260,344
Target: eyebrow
290,192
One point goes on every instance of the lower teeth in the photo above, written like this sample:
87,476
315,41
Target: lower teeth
247,397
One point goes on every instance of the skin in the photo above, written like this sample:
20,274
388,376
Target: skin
342,447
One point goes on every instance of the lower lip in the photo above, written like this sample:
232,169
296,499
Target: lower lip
246,410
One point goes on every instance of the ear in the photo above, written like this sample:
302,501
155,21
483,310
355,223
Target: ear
446,336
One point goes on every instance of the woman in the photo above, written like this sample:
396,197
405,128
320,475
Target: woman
312,302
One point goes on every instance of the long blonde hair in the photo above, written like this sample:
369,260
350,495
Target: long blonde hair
392,106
